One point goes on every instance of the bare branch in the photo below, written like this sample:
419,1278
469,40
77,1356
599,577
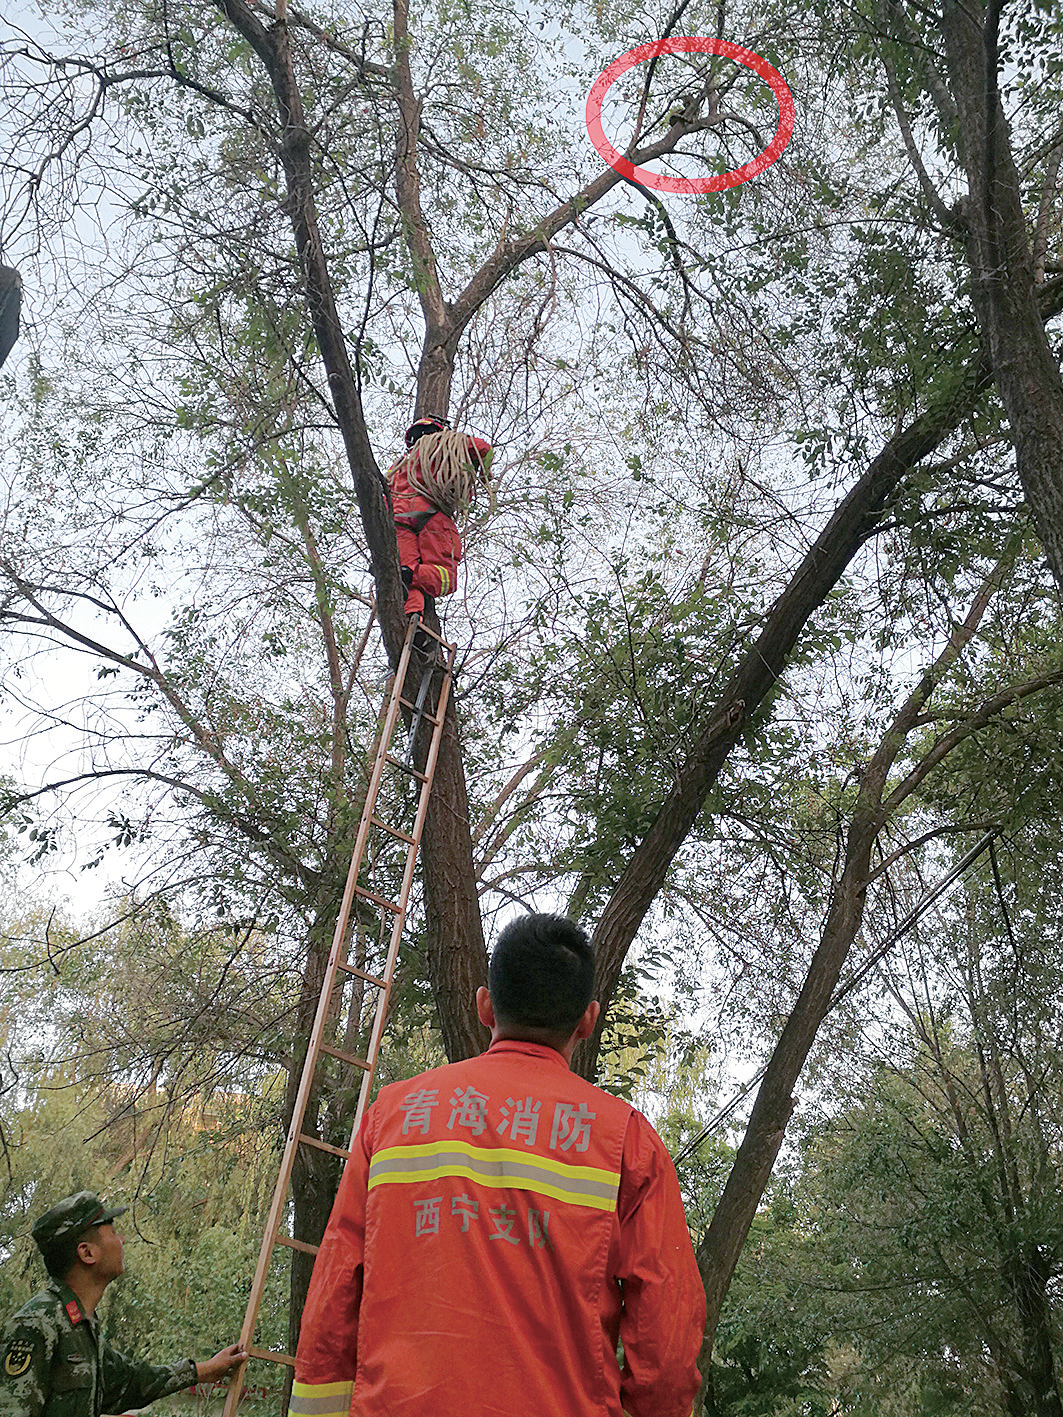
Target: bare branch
947,218
1044,211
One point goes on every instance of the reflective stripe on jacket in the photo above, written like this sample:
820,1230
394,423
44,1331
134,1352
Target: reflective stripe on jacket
500,1225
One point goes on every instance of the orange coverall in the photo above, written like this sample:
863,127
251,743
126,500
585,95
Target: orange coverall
500,1224
429,543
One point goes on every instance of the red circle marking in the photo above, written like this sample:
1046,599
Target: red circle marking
690,45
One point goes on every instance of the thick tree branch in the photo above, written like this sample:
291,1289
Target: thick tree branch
273,49
1003,287
520,248
981,716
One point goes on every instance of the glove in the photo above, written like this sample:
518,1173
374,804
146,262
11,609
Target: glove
407,578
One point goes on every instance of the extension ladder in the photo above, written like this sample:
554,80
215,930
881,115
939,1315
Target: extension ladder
339,966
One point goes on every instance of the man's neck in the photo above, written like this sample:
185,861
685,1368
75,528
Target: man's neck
87,1287
516,1036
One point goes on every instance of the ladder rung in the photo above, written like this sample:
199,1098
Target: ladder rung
271,1357
324,1146
398,763
345,1057
297,1244
393,830
437,638
369,978
429,717
378,900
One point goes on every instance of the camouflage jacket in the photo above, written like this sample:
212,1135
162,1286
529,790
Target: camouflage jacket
54,1362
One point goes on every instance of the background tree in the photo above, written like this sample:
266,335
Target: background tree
946,1243
204,1173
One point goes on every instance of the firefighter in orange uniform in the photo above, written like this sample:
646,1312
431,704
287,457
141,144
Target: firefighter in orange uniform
501,1224
431,484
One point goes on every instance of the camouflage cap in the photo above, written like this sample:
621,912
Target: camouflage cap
71,1217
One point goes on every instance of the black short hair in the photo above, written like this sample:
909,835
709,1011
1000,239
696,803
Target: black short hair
59,1259
541,975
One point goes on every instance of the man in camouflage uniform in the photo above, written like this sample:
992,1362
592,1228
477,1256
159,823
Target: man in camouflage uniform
54,1362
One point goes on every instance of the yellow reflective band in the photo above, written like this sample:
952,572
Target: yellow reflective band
321,1399
498,1167
444,580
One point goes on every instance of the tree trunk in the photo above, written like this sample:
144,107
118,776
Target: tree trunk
457,955
10,306
722,1243
999,255
1027,1276
435,373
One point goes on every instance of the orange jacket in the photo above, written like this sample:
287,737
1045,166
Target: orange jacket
429,542
500,1225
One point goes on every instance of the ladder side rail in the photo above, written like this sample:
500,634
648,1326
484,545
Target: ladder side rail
280,1193
269,1237
387,732
437,719
388,973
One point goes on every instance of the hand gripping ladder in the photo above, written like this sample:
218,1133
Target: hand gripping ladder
338,965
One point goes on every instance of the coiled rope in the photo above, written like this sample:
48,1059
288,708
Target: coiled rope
445,468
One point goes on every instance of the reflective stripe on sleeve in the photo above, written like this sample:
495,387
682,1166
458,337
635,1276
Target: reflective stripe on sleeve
497,1167
444,580
321,1399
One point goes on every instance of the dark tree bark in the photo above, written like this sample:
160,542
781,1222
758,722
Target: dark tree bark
1027,1277
999,255
10,306
723,1241
455,949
